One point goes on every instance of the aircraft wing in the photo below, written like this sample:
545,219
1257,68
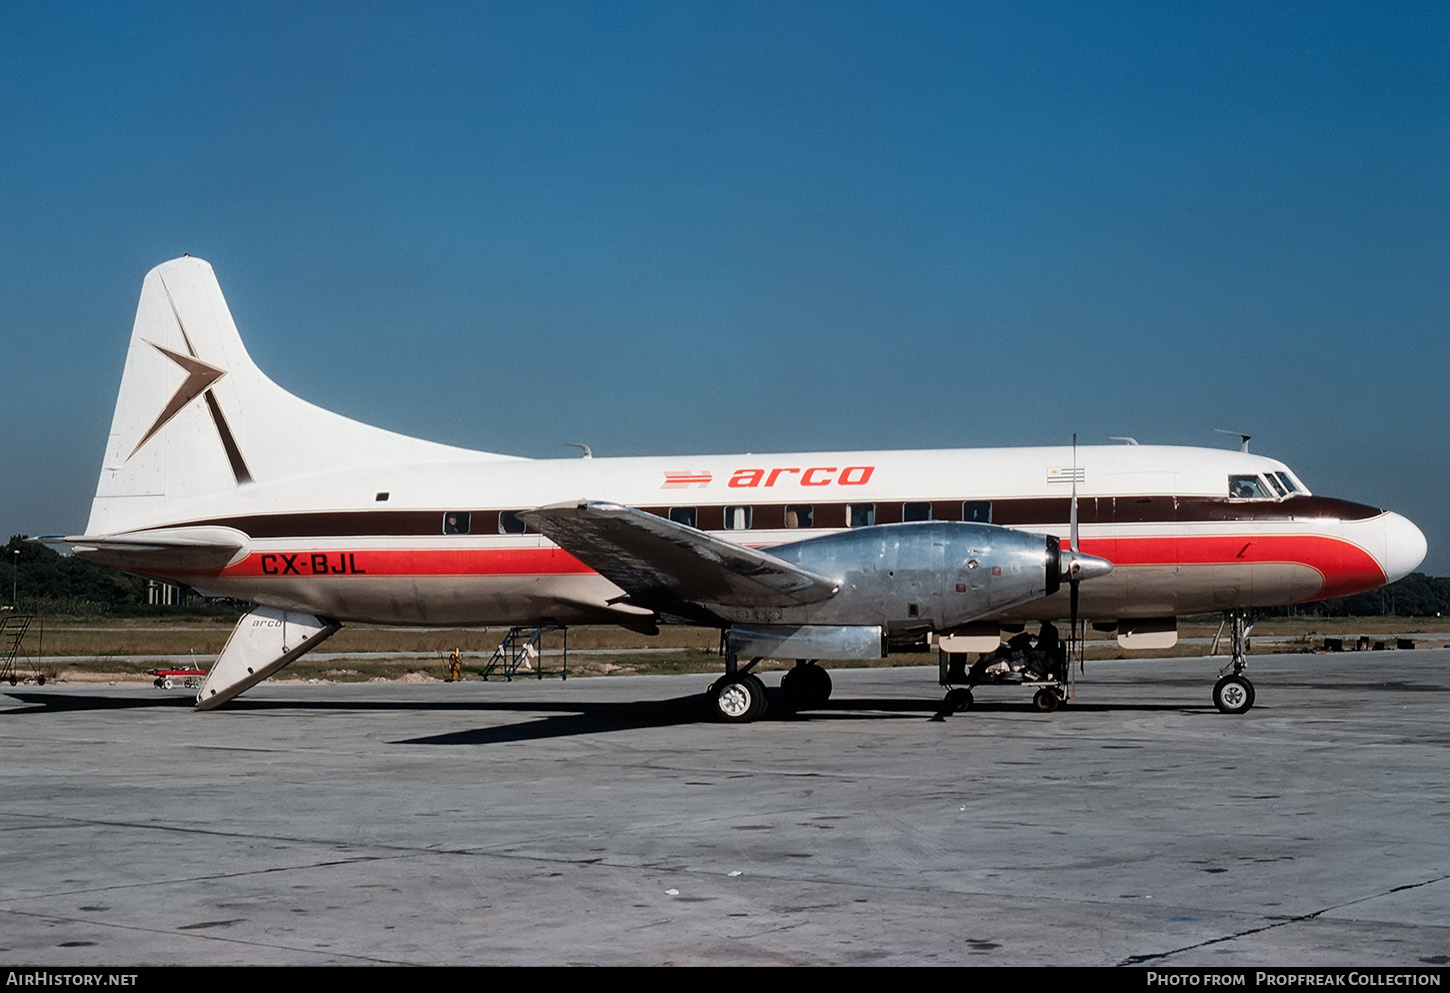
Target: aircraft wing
661,563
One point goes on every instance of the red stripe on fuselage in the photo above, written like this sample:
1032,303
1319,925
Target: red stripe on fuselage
412,562
1346,568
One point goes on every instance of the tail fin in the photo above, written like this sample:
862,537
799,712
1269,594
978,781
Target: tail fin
196,419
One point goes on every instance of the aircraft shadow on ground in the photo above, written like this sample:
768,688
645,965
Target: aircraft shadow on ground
569,718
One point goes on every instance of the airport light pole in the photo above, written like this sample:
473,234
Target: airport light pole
15,582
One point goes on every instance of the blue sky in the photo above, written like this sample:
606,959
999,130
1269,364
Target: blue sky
700,227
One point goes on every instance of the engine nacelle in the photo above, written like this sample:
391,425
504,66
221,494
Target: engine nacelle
928,576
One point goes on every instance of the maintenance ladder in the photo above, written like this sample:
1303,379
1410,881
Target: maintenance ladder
13,628
520,647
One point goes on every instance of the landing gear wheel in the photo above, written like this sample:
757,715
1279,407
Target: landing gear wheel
806,687
1233,694
738,699
1046,701
757,709
959,700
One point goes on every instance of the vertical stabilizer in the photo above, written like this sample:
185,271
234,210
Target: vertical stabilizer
197,420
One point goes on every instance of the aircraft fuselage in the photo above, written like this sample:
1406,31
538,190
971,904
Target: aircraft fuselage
374,545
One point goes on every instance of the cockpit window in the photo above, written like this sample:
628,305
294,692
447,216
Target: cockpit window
1248,488
1275,485
1288,482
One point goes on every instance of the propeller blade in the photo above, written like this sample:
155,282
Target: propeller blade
1074,576
1072,511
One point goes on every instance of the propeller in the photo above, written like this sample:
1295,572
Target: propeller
1074,574
1077,565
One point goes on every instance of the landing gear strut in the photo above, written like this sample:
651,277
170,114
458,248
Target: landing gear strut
1233,693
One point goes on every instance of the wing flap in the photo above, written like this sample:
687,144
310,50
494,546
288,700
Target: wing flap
657,561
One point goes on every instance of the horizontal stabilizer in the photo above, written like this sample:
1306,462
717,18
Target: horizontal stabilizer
657,561
161,550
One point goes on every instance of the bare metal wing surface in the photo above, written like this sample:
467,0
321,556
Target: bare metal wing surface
656,560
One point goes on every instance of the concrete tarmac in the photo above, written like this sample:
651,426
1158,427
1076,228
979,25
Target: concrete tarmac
600,821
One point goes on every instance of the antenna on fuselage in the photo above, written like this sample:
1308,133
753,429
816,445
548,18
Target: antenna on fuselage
1244,447
1123,437
581,446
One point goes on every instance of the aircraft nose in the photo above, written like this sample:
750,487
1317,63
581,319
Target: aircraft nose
1405,546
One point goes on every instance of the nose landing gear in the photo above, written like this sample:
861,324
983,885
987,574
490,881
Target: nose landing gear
1233,693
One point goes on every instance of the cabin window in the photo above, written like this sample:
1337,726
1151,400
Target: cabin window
1248,488
977,511
800,515
916,512
737,518
509,523
455,522
683,515
861,515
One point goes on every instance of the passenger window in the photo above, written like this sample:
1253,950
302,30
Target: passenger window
861,515
455,522
509,523
1247,488
737,518
683,515
916,512
801,515
977,511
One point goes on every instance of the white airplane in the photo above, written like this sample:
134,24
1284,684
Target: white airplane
217,478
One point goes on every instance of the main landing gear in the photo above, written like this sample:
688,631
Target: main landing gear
1233,693
807,686
738,697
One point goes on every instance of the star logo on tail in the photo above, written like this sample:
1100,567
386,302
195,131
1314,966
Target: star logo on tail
199,379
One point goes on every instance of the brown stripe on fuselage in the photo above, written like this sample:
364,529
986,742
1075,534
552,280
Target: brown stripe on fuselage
1021,512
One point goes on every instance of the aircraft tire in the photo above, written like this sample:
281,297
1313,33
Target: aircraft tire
1233,694
738,699
806,687
757,709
